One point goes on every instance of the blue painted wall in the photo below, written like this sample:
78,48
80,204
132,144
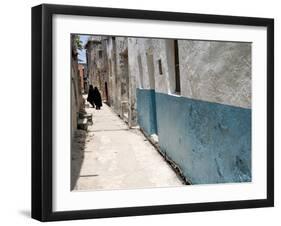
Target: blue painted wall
146,110
210,142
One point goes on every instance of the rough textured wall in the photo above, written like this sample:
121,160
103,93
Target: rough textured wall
162,81
94,73
90,62
210,142
81,70
77,101
103,68
132,82
111,54
141,68
146,110
218,72
97,63
207,129
139,50
74,111
122,73
210,124
111,72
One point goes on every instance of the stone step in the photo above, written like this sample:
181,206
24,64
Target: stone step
89,117
82,124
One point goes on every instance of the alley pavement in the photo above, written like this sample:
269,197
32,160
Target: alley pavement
116,157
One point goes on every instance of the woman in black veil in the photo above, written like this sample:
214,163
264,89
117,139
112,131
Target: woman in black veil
90,97
97,98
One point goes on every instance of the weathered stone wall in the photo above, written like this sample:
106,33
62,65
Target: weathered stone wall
142,76
112,69
206,128
77,101
98,63
217,72
90,61
111,75
163,52
122,76
74,102
81,70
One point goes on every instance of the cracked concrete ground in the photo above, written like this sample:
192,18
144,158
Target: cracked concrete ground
112,156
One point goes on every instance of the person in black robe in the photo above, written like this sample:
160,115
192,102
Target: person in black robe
97,98
91,96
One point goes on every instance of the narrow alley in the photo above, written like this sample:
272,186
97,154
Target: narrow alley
192,97
116,157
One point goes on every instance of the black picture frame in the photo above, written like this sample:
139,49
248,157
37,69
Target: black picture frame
42,108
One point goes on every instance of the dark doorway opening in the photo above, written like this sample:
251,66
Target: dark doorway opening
106,93
177,68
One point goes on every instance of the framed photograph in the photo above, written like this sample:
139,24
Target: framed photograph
145,112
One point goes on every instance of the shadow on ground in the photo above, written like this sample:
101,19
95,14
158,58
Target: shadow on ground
77,155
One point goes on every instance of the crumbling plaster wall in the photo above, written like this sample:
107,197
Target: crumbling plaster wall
206,130
141,62
77,101
111,61
218,72
122,79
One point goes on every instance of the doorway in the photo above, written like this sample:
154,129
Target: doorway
106,93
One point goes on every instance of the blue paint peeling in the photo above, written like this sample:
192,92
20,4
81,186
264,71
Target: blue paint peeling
146,109
210,142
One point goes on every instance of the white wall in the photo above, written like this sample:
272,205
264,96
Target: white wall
138,65
15,115
218,72
158,49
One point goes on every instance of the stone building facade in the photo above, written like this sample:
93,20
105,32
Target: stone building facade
108,69
77,101
96,56
195,96
82,76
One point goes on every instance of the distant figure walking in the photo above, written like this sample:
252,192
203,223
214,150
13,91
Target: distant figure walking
94,97
91,97
97,98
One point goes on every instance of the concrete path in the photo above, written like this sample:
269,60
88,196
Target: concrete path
116,157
